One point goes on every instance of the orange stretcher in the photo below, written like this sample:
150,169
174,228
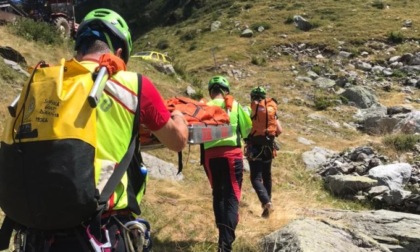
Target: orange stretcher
205,123
197,134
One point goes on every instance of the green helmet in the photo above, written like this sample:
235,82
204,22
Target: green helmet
112,24
219,81
258,93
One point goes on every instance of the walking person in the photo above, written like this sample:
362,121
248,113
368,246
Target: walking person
261,146
224,164
105,32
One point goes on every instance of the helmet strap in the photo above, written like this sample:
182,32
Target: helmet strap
109,42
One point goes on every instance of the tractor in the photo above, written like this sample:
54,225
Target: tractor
57,12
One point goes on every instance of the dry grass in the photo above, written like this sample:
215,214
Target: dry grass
182,216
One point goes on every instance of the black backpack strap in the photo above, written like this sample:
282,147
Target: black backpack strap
180,164
266,115
255,113
6,233
119,172
202,156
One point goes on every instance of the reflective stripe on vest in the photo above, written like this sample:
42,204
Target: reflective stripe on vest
234,140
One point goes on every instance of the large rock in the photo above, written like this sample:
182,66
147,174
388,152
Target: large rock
160,169
347,231
316,157
362,97
395,176
309,235
301,23
11,54
410,124
380,125
324,83
348,184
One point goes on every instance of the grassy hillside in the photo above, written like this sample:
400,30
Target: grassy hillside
181,212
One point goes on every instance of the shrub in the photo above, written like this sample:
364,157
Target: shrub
37,31
180,68
322,100
289,20
248,6
315,24
163,44
263,24
188,35
396,37
258,61
317,69
192,47
198,95
196,82
402,142
234,11
378,4
399,73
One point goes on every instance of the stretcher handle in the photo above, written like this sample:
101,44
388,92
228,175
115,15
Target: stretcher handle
12,107
98,87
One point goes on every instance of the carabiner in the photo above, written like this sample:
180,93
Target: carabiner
19,241
97,245
138,235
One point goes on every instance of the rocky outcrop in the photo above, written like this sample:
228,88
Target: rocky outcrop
364,175
347,231
160,169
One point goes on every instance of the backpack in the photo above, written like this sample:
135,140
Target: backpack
263,116
48,147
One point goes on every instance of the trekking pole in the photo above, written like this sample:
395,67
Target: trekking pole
98,87
13,105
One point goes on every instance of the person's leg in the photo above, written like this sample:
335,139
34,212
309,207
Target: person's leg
226,196
266,177
233,195
217,173
219,170
258,181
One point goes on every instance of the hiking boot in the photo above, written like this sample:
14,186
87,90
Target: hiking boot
268,208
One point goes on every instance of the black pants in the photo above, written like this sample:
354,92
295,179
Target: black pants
261,179
225,175
74,240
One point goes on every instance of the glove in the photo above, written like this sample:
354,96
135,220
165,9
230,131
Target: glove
112,63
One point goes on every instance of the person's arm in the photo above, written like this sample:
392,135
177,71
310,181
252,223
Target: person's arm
174,134
170,129
244,122
279,129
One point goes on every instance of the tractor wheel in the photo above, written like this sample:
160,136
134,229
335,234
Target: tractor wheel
63,26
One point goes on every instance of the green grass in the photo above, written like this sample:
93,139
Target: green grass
402,142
